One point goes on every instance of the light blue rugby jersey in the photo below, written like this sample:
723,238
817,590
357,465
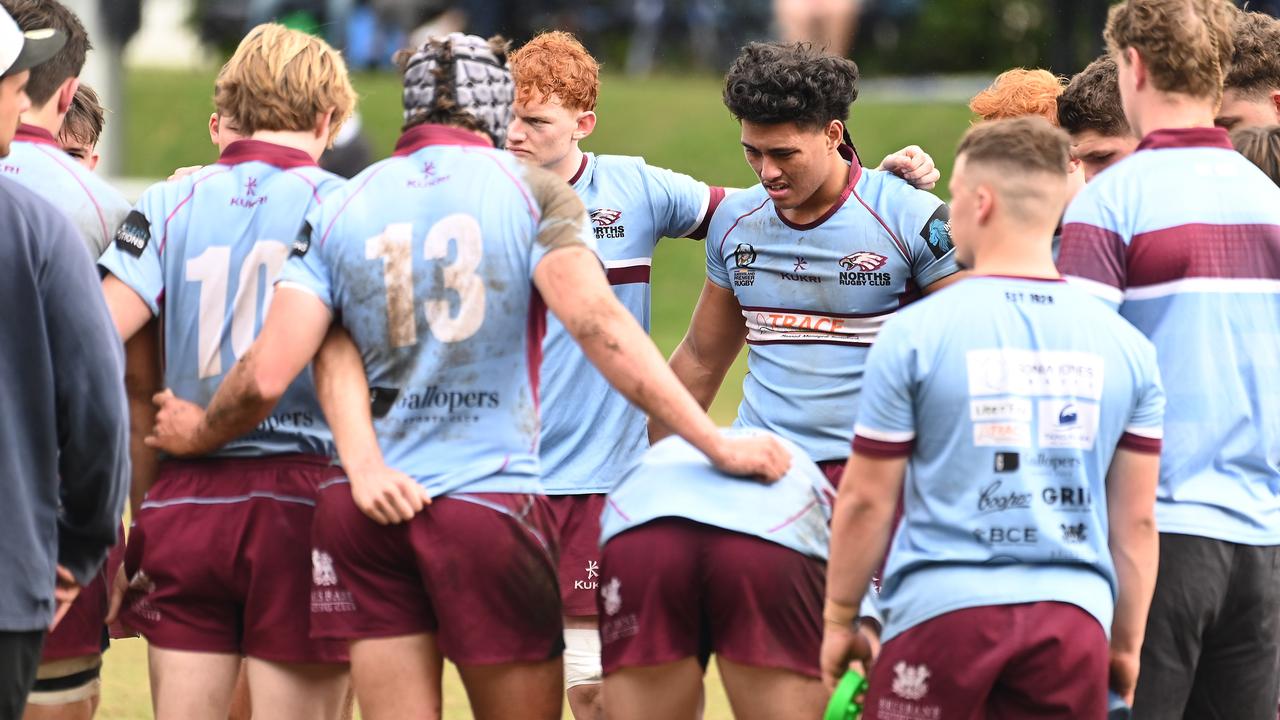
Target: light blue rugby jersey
36,161
814,297
674,479
1010,396
1184,237
205,250
428,258
590,432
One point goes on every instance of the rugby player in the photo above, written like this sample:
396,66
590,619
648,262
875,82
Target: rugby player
455,392
1018,92
1030,417
695,562
82,127
1251,89
1261,145
1089,109
1183,237
36,159
218,558
590,433
806,266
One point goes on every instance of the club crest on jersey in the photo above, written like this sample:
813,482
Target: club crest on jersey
744,256
604,223
134,234
250,199
859,268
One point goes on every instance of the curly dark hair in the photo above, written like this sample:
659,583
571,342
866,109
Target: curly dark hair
790,82
1092,101
1255,65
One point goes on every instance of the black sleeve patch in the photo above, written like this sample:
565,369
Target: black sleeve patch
937,231
302,243
134,234
381,399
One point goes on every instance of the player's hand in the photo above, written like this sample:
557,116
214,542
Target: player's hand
761,457
844,648
914,165
1124,674
65,591
387,496
183,172
119,586
177,424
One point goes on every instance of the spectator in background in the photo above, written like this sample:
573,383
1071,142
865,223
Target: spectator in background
1262,146
82,127
828,24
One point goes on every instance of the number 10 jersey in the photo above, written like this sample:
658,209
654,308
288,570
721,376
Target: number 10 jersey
427,258
206,249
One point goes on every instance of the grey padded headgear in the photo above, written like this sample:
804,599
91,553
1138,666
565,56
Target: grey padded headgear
479,81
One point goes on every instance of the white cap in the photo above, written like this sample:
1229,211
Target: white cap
22,50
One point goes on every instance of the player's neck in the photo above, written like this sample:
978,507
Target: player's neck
1017,252
827,194
46,117
304,140
567,167
1171,111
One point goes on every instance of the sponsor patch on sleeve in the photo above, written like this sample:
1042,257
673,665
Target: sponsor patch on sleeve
134,234
937,231
302,243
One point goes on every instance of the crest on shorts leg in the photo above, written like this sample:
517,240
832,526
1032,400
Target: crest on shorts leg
612,595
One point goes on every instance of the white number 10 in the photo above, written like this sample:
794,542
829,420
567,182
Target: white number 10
394,248
212,269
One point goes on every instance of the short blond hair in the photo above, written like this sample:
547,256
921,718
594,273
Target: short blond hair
1185,44
1018,93
281,79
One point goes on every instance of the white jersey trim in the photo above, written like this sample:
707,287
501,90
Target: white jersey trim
702,211
1098,289
1153,433
1204,285
888,436
629,262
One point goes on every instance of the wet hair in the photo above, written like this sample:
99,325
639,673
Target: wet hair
1092,101
790,82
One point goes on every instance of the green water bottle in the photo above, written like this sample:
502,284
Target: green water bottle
844,704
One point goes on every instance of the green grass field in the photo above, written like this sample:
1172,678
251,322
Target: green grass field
674,122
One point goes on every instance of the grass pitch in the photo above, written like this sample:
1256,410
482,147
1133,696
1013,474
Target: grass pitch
673,122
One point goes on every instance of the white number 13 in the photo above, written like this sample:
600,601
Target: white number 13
394,248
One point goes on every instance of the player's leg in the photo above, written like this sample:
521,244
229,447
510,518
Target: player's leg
189,685
764,607
577,518
654,641
241,703
304,691
397,677
582,673
19,657
65,689
489,564
1191,587
1239,671
1061,670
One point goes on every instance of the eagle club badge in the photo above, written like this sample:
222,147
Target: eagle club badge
606,223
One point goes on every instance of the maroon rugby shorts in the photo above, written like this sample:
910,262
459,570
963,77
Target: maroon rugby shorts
1027,661
82,631
674,588
577,520
476,570
220,558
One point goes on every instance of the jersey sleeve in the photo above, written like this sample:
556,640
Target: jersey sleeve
1145,429
562,220
886,422
134,253
681,205
716,270
306,268
924,224
1092,253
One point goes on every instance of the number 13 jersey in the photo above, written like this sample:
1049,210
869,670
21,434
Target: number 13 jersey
206,249
427,258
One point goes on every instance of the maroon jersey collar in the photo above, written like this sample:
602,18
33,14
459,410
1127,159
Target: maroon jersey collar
33,134
420,136
855,172
1212,137
283,157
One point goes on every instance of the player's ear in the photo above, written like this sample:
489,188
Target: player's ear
93,161
213,128
1134,60
835,134
66,94
986,202
586,125
1275,103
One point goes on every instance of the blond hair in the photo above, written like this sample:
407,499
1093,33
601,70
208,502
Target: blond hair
1185,44
281,79
1017,93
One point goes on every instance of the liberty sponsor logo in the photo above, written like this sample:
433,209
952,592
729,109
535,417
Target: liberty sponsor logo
604,224
801,264
1074,534
134,234
611,594
1003,409
250,199
428,177
1032,373
910,682
744,256
1067,424
1010,434
591,583
1006,536
1067,498
994,499
859,269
